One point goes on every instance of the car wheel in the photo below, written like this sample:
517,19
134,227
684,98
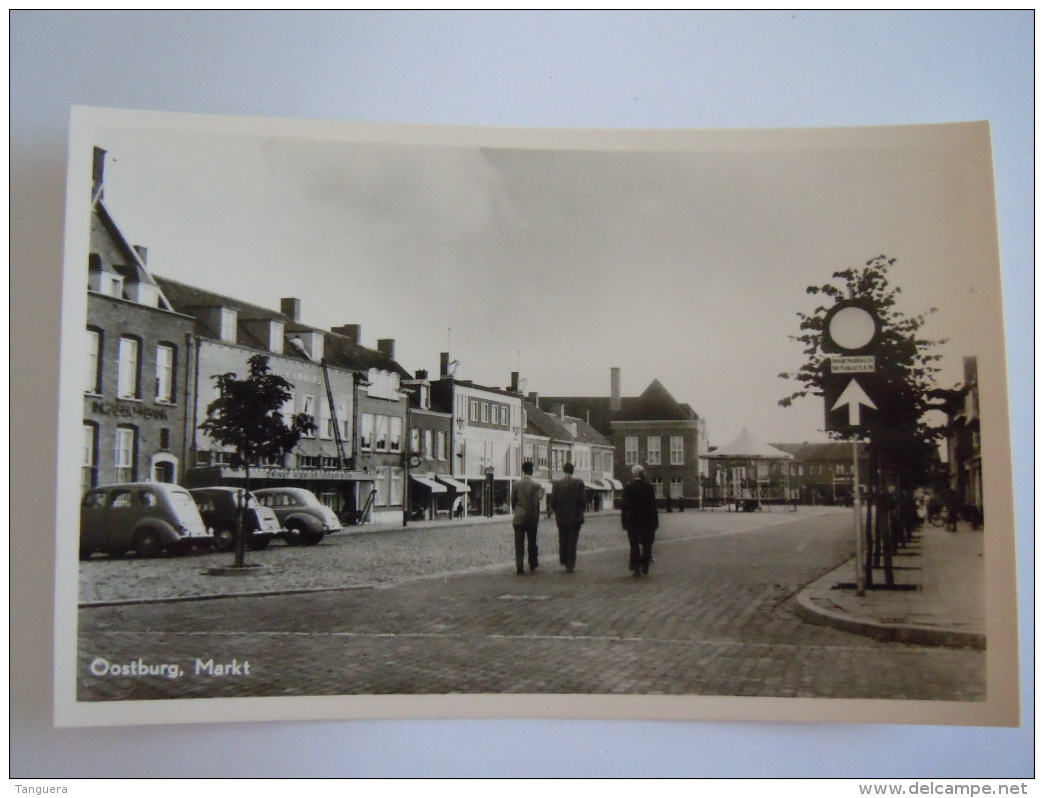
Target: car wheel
311,538
259,542
295,534
224,538
148,543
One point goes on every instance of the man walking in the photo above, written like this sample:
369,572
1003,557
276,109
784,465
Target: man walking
640,518
568,502
526,494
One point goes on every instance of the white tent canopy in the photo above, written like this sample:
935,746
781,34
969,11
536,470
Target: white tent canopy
746,447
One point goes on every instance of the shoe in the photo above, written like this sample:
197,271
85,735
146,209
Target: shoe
645,570
533,568
520,571
636,573
569,570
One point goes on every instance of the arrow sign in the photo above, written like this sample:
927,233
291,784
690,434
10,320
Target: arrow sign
853,395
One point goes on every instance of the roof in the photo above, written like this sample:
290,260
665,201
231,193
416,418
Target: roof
338,350
545,423
655,404
746,447
839,451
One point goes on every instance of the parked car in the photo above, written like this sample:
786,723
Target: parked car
219,507
148,517
307,520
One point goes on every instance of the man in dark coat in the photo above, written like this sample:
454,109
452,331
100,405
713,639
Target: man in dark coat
526,495
569,502
640,518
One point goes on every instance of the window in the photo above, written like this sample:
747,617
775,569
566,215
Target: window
94,361
164,438
677,450
114,286
474,410
228,325
631,450
127,379
657,483
440,445
429,444
124,454
395,486
366,431
164,373
485,412
380,433
415,440
676,487
308,409
380,487
395,434
653,443
528,452
89,461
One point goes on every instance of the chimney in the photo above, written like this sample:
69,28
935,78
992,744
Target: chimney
353,332
443,364
558,409
98,174
514,382
386,346
614,390
291,306
143,253
534,398
421,374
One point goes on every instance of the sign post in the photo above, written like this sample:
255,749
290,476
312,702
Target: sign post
850,332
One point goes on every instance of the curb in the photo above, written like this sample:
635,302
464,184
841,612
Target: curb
809,609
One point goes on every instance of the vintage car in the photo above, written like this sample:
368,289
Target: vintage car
146,517
307,520
219,507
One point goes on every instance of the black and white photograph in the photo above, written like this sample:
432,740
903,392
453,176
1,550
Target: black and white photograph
425,421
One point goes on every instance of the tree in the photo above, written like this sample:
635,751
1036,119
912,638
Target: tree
247,416
902,445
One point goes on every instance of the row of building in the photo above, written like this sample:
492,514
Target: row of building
389,443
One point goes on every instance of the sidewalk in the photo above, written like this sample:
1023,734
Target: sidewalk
942,603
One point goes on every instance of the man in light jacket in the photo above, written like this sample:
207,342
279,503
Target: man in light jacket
569,502
526,495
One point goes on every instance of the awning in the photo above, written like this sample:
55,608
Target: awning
431,484
459,487
614,483
595,485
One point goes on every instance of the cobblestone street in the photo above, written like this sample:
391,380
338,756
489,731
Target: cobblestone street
713,618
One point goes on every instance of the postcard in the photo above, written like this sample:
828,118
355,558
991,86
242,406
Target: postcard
417,421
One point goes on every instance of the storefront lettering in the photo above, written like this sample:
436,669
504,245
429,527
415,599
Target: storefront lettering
128,410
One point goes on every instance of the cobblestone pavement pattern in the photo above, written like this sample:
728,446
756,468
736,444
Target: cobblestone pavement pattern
427,611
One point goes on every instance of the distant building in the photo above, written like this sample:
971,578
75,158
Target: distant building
653,429
822,473
138,381
964,440
353,461
486,438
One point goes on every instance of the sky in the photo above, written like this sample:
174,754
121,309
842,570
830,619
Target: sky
685,262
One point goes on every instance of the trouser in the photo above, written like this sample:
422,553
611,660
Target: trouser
568,535
641,541
525,533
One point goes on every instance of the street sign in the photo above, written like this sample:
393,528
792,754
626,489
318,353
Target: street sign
849,403
853,364
851,327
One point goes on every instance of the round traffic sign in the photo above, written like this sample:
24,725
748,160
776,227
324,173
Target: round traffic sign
850,326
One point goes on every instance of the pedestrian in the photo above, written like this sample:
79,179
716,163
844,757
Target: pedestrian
568,502
526,495
639,517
